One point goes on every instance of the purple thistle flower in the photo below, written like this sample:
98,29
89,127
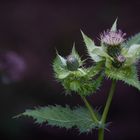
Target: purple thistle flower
12,67
112,38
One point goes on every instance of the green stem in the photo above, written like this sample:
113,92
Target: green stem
101,134
106,109
108,102
92,112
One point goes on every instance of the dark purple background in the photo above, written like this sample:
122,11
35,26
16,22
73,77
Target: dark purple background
33,30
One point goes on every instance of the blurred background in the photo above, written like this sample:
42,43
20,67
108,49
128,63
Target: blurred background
30,31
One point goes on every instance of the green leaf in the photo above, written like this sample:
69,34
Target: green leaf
133,50
59,67
133,54
76,55
59,63
63,117
126,74
90,47
74,52
96,69
84,81
97,53
114,26
133,40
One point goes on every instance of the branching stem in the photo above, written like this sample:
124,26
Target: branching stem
108,102
91,110
106,109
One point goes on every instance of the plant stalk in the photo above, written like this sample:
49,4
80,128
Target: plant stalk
108,102
106,109
101,134
91,110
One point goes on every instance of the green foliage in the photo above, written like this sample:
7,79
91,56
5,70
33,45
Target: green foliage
83,85
133,40
95,69
59,116
76,55
114,26
125,74
97,53
82,80
91,48
59,67
113,59
132,54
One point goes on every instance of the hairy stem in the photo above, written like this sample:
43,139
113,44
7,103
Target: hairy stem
92,112
106,109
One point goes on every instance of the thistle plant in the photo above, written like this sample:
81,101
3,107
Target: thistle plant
116,58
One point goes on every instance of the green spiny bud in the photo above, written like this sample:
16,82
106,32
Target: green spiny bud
72,63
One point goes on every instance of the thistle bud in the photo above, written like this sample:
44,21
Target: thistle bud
119,60
72,63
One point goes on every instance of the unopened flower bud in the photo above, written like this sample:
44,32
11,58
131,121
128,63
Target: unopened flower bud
121,59
72,63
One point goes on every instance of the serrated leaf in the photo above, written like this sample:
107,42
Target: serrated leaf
63,117
114,26
97,53
133,40
127,75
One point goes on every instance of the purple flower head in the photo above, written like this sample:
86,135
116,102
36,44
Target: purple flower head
112,38
12,67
